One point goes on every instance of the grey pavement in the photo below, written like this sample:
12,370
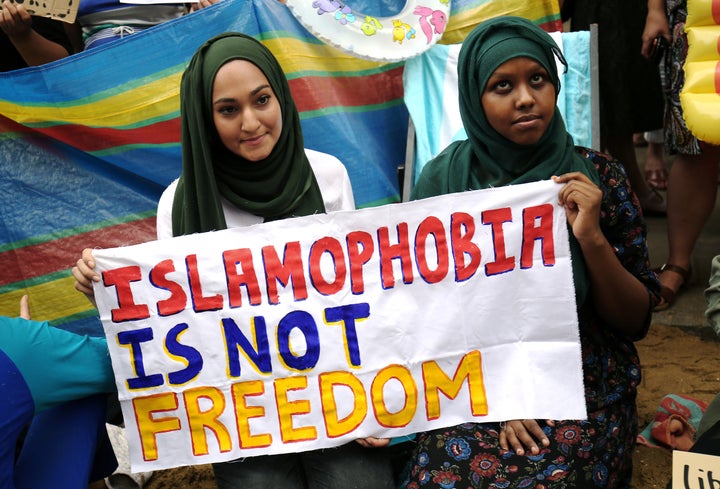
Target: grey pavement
688,312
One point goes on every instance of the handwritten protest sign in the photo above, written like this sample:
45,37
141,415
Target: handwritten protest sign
64,10
312,332
695,470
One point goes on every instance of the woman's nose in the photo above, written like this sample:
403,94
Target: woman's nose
249,120
524,96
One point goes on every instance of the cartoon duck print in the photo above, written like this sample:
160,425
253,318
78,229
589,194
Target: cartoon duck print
431,20
370,26
402,31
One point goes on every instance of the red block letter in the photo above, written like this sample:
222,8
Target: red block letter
390,252
358,257
462,245
432,226
538,226
178,298
121,278
496,218
232,258
200,302
290,268
334,249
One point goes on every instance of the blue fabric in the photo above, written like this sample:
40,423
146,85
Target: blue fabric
66,447
16,410
42,367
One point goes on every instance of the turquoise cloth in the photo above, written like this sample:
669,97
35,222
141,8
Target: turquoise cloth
57,365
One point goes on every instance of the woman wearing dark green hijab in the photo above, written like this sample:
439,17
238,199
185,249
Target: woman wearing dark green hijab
225,181
244,163
508,85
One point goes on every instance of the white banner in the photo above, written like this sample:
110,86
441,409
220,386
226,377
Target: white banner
314,331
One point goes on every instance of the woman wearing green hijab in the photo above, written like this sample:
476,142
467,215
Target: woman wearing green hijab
508,86
243,163
257,169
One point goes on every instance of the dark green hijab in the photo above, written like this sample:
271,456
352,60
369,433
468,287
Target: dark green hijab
283,185
487,159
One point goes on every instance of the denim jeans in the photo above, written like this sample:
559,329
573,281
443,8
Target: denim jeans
350,466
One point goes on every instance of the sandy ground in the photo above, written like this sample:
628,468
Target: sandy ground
675,360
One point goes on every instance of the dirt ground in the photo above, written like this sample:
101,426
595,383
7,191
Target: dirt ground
675,361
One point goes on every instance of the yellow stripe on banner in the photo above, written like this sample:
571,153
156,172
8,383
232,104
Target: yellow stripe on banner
295,55
48,301
460,24
157,100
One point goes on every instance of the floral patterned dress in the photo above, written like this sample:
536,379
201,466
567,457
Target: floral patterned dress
596,452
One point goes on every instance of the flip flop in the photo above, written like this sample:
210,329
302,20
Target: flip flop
667,295
656,178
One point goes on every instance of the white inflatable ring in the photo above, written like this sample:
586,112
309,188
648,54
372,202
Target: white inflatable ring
419,25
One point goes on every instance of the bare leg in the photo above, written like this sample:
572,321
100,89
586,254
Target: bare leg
692,190
622,148
655,172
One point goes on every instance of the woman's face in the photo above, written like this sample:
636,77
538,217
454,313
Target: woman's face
519,100
246,112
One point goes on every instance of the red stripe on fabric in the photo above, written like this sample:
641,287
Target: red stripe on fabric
61,254
318,92
552,26
91,139
715,7
9,125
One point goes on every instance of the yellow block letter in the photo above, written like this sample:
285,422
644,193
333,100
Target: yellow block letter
199,419
287,409
470,368
337,427
148,426
405,415
243,412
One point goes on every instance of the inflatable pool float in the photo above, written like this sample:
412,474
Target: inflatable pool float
415,29
700,96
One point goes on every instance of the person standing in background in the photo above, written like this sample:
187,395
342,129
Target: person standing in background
27,40
631,99
692,181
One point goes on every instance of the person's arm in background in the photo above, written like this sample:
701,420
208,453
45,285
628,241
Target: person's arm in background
74,34
17,24
656,25
200,4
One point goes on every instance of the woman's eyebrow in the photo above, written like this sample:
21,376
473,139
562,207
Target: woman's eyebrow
261,87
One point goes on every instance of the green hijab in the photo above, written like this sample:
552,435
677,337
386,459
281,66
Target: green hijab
283,185
487,159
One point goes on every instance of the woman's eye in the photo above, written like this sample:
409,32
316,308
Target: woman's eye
537,78
502,86
263,99
226,110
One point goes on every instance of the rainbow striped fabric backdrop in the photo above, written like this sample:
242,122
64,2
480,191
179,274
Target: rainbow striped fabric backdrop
88,143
